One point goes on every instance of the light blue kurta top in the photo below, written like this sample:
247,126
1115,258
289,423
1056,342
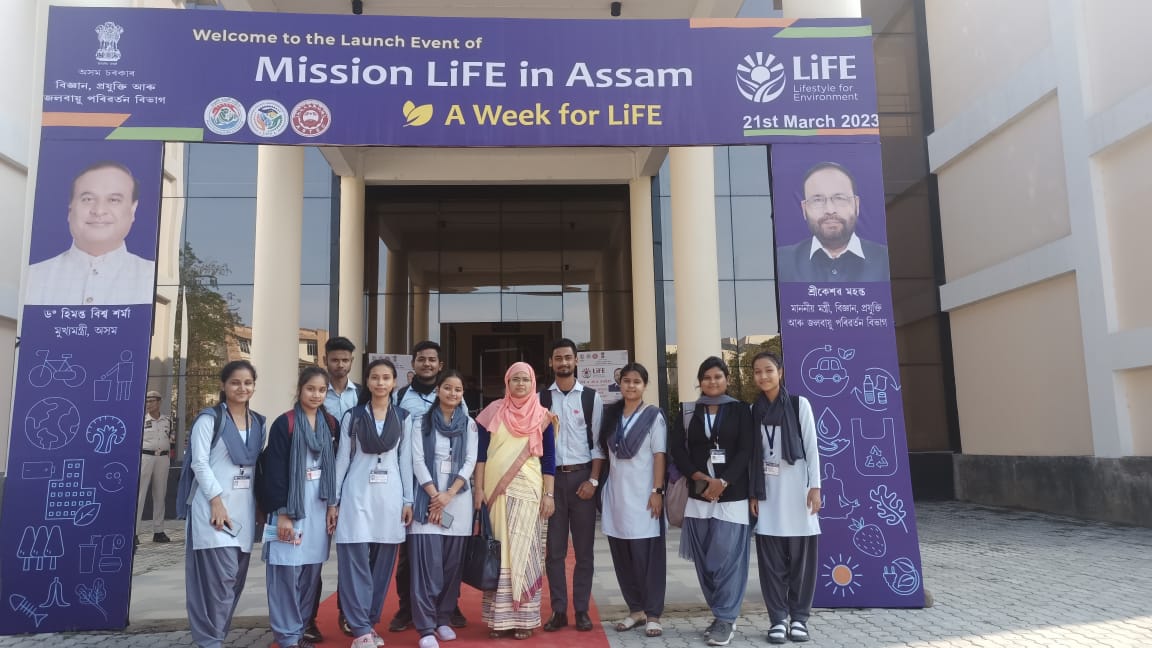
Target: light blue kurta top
460,508
371,507
629,485
215,475
312,529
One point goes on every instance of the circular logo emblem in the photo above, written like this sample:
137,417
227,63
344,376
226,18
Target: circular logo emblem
268,118
310,118
760,78
224,116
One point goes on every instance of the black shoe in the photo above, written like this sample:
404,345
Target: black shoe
583,622
555,622
312,633
457,620
400,622
344,627
161,537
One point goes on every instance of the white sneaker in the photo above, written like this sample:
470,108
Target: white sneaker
429,641
363,641
377,640
446,633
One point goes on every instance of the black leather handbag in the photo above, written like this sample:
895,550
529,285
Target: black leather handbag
482,555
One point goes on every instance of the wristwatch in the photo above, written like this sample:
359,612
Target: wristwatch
723,481
659,490
549,495
595,482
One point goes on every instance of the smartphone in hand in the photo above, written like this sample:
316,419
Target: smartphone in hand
232,527
445,520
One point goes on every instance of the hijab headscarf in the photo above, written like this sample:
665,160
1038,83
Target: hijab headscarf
522,417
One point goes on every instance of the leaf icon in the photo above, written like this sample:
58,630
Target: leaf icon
417,115
846,354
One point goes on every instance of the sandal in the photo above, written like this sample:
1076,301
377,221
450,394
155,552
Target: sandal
522,634
626,624
499,634
798,632
778,634
653,629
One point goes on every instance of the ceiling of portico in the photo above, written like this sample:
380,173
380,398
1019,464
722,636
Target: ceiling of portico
465,166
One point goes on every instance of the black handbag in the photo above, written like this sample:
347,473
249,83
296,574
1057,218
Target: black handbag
482,555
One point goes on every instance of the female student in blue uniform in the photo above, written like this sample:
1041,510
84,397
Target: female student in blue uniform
444,442
297,483
786,497
373,504
222,507
634,437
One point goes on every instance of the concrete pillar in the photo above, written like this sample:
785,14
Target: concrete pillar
351,312
419,314
396,303
276,291
821,8
694,266
644,283
596,315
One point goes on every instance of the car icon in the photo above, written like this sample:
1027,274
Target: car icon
828,368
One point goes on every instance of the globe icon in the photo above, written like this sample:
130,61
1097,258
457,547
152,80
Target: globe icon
52,423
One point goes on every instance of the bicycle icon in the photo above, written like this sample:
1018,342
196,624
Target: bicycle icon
70,374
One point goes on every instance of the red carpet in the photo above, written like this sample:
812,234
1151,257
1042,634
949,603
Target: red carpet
476,634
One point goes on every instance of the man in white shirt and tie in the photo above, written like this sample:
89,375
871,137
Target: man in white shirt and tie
97,269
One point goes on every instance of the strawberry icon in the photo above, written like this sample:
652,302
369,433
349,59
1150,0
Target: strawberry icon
868,538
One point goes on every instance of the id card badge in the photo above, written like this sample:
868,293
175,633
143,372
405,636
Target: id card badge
242,482
378,477
717,456
446,467
771,468
313,473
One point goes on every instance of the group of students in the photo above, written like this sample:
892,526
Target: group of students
399,479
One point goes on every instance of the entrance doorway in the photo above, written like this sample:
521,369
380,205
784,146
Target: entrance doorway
482,351
496,274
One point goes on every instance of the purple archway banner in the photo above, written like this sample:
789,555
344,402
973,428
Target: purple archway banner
839,341
314,79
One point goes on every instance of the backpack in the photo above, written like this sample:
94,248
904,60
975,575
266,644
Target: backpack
587,404
187,477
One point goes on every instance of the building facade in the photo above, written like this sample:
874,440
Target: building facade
1006,161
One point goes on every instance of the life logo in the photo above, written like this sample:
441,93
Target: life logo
760,77
310,118
268,118
224,116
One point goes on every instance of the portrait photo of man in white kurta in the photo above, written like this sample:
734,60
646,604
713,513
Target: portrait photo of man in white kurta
97,269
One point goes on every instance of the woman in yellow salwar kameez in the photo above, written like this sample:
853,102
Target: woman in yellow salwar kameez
515,468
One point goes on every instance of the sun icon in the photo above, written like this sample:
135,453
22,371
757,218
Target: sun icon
842,573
